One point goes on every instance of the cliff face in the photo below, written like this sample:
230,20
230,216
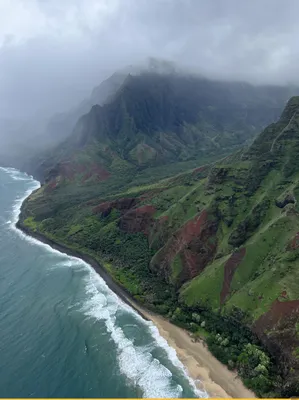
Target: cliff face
149,119
221,239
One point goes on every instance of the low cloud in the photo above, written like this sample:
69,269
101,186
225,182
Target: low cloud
53,52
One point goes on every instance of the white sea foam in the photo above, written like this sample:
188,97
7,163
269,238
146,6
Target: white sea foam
8,169
160,341
18,203
170,351
17,210
33,185
16,174
136,363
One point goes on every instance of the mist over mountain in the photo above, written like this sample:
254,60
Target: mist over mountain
52,54
217,244
218,114
160,115
165,135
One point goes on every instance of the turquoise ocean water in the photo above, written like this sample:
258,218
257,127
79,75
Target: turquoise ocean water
63,332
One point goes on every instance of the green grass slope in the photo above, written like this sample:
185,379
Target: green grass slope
215,248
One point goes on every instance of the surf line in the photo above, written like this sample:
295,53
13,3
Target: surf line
91,263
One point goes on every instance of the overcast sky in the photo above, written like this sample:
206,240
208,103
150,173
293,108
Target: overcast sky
52,52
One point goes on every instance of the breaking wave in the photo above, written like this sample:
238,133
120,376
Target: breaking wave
137,363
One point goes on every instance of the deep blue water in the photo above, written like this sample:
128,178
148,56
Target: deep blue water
63,332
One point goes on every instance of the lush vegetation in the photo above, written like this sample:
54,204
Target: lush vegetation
215,249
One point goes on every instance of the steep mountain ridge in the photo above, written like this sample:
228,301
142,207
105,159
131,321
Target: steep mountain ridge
256,267
157,119
215,248
60,126
40,133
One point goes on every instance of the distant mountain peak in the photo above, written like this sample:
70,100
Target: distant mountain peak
149,119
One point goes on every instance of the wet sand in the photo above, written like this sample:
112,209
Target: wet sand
208,373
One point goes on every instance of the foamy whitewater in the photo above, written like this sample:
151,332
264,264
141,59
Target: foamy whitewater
65,329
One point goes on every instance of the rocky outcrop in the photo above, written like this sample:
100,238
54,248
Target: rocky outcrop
288,198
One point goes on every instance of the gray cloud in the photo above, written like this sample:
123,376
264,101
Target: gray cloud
53,52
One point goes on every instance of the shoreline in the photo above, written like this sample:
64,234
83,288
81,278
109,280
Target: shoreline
115,287
215,378
208,373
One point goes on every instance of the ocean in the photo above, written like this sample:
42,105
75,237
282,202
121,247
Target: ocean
63,332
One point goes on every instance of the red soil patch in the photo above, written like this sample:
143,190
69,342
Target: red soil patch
193,243
51,186
133,220
193,227
229,269
69,170
198,248
138,220
163,218
277,331
147,209
295,242
191,262
199,169
121,204
99,173
279,311
103,207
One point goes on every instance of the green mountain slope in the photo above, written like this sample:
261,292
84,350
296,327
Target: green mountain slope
158,119
215,248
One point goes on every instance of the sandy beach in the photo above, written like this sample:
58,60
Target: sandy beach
202,366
